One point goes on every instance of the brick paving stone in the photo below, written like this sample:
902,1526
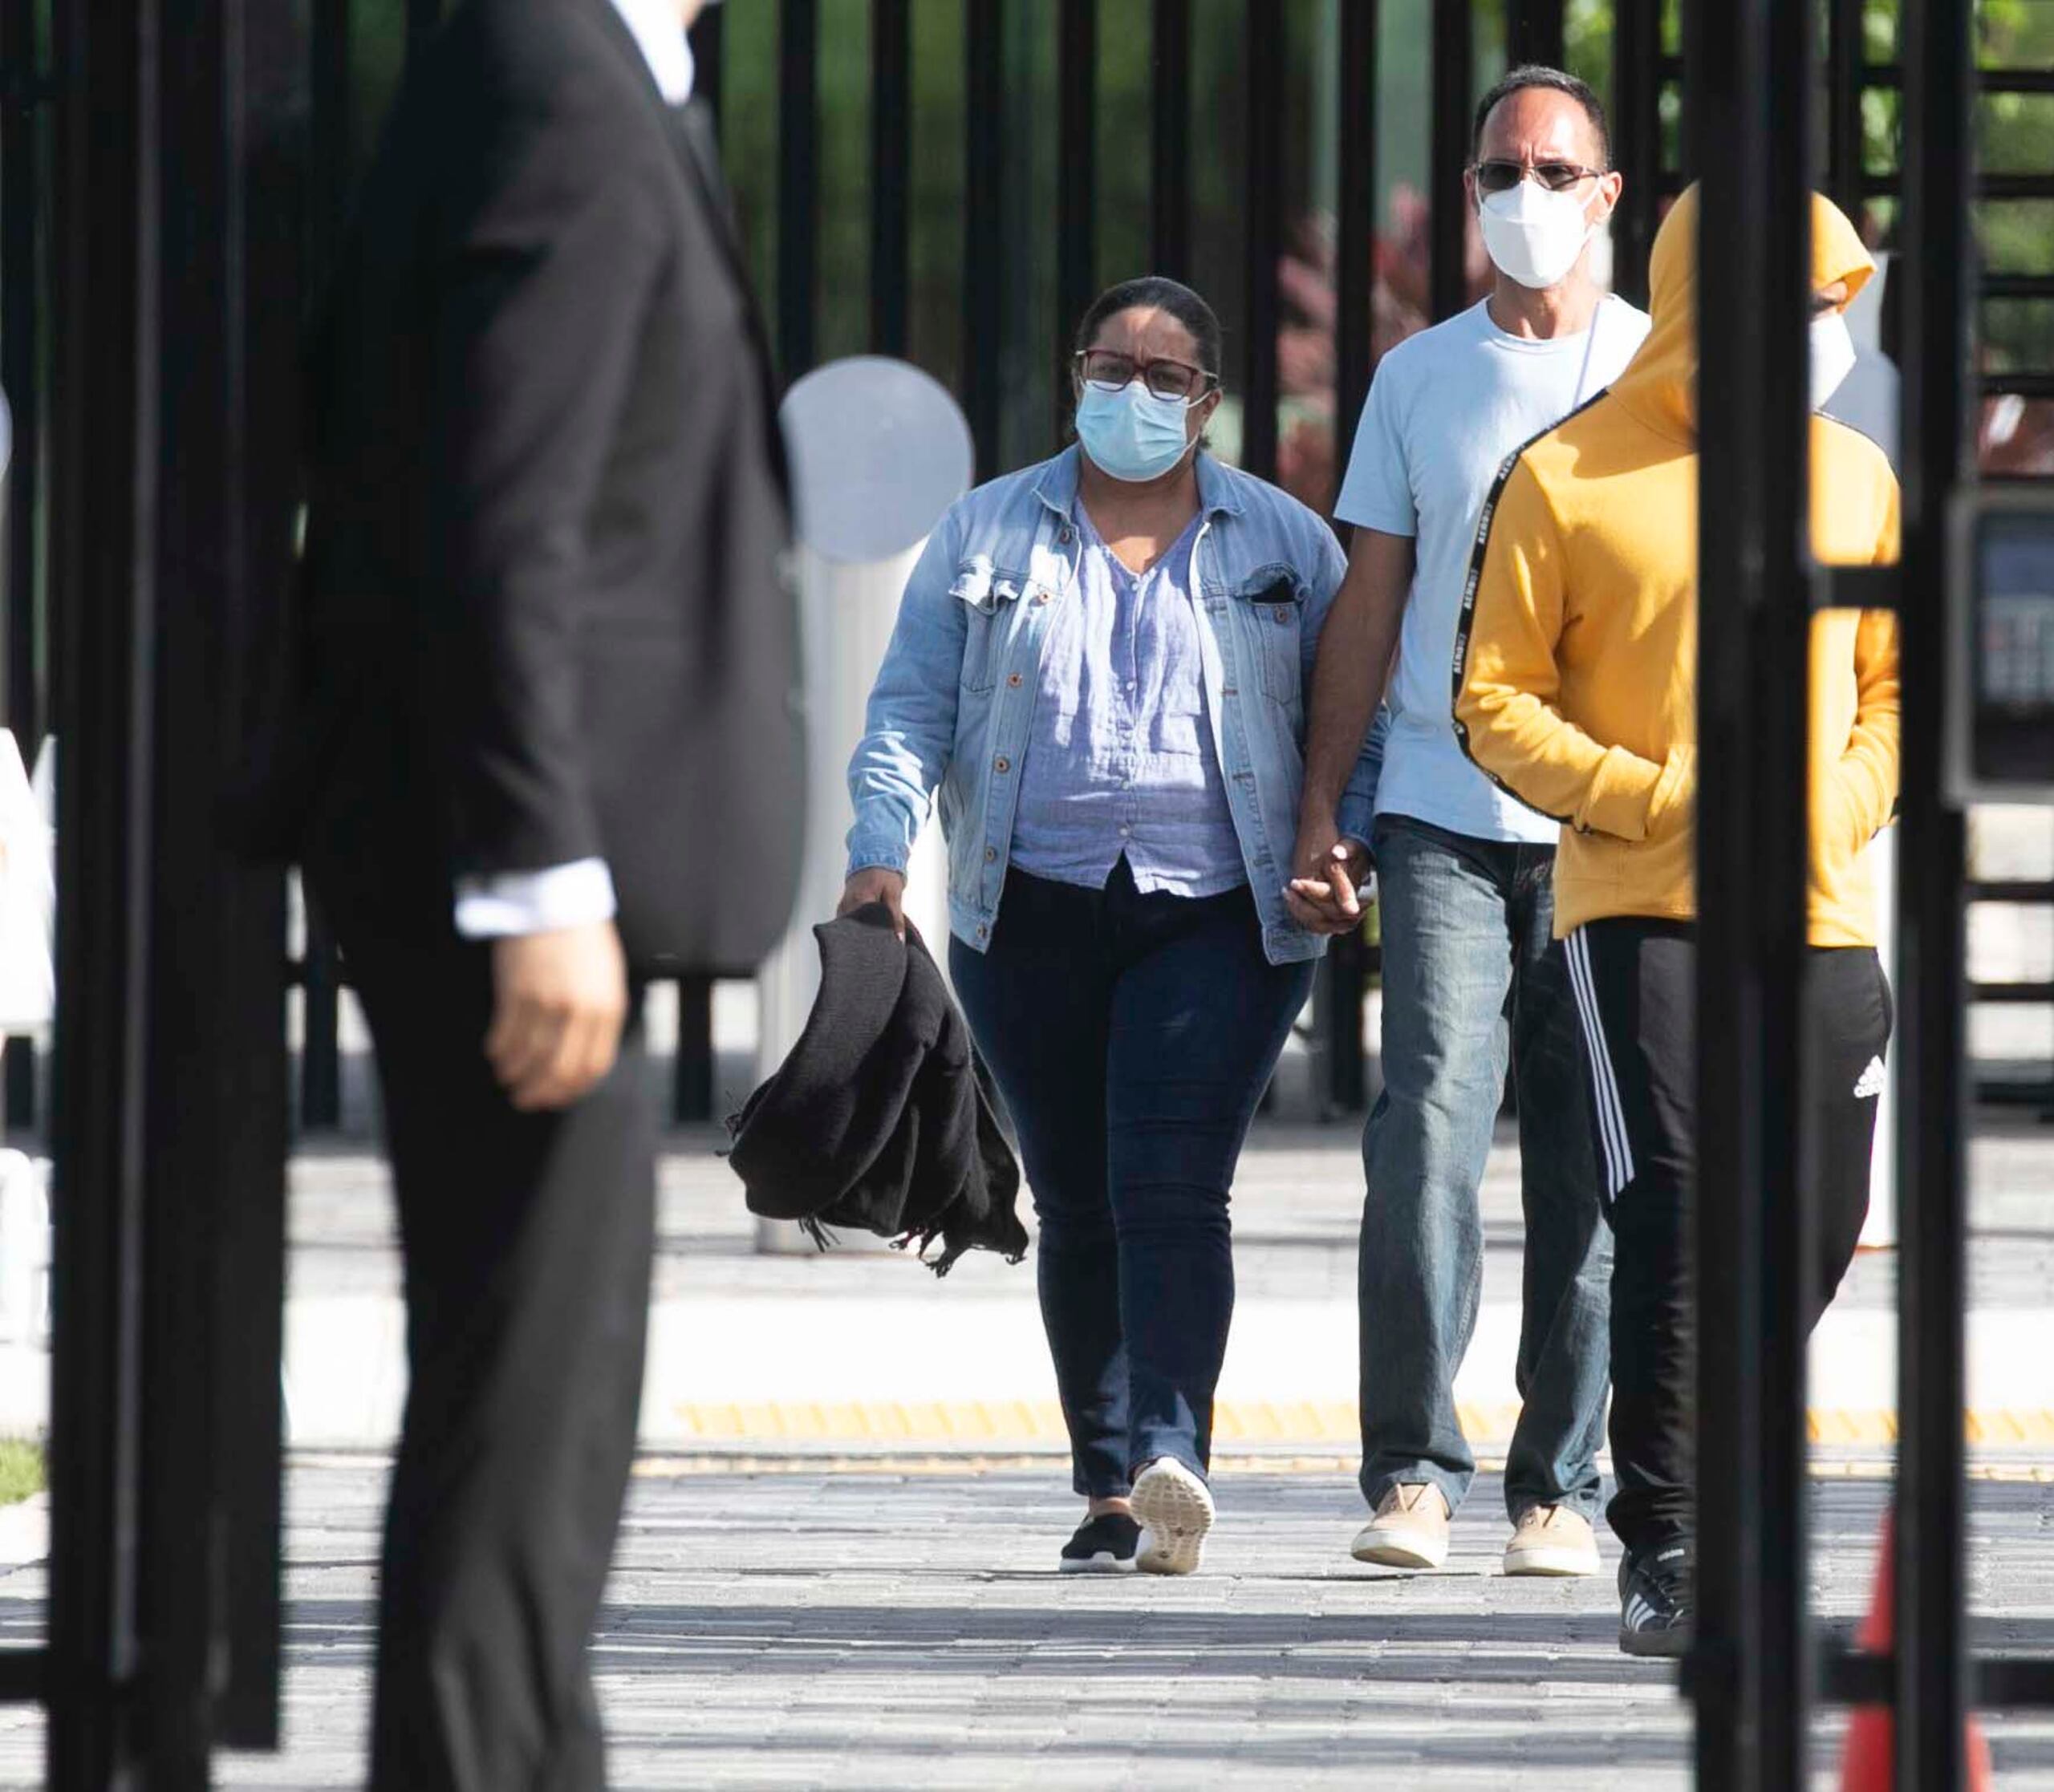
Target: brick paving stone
856,1630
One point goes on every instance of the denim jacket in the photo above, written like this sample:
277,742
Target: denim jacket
953,703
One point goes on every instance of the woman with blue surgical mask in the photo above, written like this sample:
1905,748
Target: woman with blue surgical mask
1099,667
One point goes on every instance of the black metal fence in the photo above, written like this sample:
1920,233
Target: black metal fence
155,239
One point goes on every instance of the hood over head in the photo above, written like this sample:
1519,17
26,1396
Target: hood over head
1660,386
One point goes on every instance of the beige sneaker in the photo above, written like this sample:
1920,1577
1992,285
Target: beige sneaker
1409,1529
1551,1540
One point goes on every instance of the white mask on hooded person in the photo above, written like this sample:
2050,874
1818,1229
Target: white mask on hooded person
1534,236
1833,355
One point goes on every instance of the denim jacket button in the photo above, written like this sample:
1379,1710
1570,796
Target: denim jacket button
1065,535
1283,613
1230,690
1013,682
982,932
990,855
1041,597
1002,764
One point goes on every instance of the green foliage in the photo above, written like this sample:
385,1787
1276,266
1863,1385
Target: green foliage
23,1471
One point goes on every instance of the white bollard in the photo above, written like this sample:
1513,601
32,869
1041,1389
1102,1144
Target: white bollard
24,1248
879,453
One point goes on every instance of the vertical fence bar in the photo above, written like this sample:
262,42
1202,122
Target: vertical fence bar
799,183
1534,34
1338,1009
423,17
328,130
1265,215
708,60
249,1248
1750,1670
691,1070
890,174
328,156
1169,140
205,1039
22,99
984,273
1448,222
1845,61
1077,183
1355,228
22,375
1636,141
103,467
1932,1118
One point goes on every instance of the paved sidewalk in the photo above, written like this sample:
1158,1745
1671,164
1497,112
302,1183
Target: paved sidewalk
737,1360
863,1630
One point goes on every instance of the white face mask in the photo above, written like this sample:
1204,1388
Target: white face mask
1833,355
1536,236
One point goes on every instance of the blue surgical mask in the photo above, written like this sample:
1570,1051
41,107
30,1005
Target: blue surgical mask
1132,433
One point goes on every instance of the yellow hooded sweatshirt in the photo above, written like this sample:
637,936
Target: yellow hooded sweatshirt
1576,663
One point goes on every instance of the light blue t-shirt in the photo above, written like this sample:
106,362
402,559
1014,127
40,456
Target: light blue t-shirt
1445,409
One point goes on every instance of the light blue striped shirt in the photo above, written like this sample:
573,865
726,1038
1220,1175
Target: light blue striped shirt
1121,756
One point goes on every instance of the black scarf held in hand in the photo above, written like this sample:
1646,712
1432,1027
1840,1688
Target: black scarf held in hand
878,1119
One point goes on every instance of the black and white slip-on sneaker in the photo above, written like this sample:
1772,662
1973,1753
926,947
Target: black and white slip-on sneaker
1174,1507
1656,1601
1106,1545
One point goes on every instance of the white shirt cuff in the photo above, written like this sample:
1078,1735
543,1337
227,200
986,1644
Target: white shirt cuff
512,902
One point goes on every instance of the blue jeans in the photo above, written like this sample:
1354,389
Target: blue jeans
1132,1036
1473,980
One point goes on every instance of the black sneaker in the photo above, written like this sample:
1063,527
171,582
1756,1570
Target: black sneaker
1106,1545
1656,1603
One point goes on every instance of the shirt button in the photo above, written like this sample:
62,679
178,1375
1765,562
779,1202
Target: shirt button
1065,535
1283,613
1041,597
990,855
1014,681
1125,833
1002,765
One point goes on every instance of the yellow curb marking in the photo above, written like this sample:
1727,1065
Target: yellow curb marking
960,1423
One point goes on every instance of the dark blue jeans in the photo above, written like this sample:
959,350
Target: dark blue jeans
1132,1036
1473,980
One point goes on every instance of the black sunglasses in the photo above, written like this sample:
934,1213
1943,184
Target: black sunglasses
1501,176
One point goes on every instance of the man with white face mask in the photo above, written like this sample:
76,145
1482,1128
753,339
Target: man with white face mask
1473,981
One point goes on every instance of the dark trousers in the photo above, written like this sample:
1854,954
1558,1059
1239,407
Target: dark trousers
1132,1036
527,1241
1636,987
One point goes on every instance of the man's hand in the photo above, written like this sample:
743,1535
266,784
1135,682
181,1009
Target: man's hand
1322,896
559,1001
876,884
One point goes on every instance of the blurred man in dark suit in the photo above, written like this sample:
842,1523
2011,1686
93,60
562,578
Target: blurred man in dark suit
548,742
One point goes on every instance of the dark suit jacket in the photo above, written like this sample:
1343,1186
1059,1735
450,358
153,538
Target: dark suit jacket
547,615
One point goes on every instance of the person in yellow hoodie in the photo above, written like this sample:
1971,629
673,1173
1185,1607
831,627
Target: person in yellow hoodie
1575,688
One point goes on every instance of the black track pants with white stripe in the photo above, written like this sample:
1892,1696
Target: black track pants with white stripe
1635,984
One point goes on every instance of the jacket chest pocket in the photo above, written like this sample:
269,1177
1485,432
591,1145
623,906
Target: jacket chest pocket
1271,606
990,598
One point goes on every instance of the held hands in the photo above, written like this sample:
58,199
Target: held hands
876,884
559,1001
1322,897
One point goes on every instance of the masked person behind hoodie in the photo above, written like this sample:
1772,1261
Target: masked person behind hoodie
1474,981
1575,687
1099,664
